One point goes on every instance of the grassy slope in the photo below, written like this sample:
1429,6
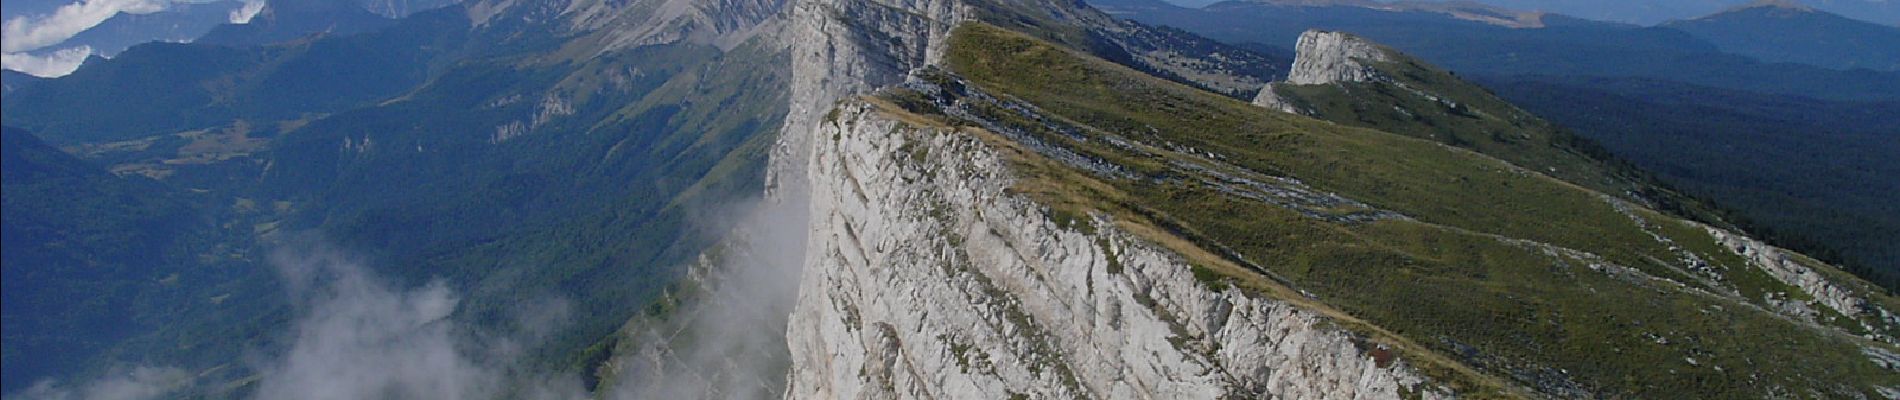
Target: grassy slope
1827,191
1444,280
1424,101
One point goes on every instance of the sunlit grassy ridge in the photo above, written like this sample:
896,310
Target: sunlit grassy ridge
1416,99
1510,271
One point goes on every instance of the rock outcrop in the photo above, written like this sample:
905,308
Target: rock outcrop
1329,57
1323,58
1826,292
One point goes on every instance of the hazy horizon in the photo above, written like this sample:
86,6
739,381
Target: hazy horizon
1652,12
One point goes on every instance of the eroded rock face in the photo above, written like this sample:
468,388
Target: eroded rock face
1329,57
844,47
1827,293
925,278
1325,57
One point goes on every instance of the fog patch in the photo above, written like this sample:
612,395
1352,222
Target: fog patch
728,340
243,15
140,383
357,337
354,335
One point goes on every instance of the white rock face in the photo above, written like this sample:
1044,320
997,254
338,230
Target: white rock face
845,47
1325,57
1328,57
925,278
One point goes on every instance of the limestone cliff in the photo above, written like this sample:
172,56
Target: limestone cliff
1329,57
926,278
1325,57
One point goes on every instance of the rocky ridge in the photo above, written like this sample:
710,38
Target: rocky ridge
926,279
890,306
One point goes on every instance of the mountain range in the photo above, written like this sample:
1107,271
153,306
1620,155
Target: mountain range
55,41
1649,12
182,22
1558,46
1782,32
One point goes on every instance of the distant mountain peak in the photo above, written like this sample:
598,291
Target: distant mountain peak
1321,3
1787,4
1769,5
1473,11
1460,9
1787,32
1762,8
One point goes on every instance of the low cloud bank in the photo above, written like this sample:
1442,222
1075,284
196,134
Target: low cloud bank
357,337
56,64
140,383
729,341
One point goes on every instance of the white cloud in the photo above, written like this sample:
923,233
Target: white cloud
359,338
143,383
29,33
738,350
243,15
59,63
